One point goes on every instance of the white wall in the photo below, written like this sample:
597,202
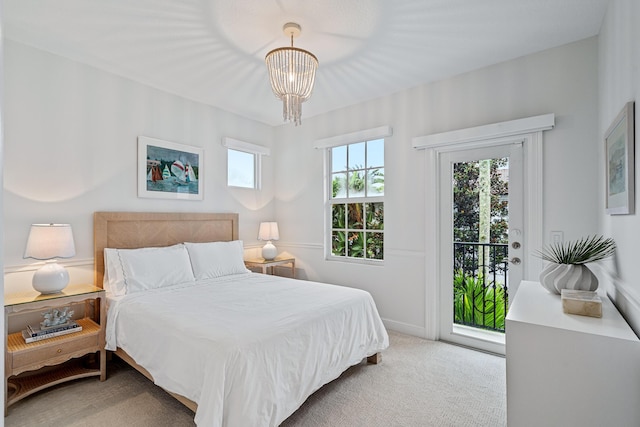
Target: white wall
561,81
71,149
619,82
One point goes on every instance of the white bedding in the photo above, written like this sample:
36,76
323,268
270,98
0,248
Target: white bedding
247,348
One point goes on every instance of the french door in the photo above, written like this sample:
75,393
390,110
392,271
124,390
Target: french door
482,241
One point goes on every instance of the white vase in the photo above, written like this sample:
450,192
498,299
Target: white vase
555,277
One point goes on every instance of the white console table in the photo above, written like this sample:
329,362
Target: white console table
569,370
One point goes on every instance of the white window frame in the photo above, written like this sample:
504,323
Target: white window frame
247,147
326,144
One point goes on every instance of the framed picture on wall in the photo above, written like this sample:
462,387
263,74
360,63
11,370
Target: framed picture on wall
619,156
167,170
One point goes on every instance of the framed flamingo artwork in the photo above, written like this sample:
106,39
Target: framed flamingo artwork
168,170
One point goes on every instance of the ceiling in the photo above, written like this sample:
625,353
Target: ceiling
212,51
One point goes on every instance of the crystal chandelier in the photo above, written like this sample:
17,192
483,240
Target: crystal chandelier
292,72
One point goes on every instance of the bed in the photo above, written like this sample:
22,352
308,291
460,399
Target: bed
236,347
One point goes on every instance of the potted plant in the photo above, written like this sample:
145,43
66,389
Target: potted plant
567,263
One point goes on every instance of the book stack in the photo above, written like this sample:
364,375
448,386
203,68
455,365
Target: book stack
33,334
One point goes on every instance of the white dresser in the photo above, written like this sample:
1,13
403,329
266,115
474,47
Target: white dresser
569,370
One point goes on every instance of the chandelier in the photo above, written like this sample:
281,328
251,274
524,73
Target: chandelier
292,72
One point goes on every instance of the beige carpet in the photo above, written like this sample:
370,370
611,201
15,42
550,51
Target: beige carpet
418,383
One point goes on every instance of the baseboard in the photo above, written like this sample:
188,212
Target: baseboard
404,328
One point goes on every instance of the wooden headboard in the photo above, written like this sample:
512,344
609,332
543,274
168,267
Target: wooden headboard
132,230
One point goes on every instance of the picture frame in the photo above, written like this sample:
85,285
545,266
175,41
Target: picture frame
168,170
620,161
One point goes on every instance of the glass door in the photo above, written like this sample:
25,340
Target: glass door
481,242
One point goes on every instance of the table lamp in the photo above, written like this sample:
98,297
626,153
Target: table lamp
268,231
47,242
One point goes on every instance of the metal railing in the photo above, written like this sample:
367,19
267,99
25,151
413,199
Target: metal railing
480,273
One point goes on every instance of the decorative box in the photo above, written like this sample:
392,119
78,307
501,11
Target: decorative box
584,303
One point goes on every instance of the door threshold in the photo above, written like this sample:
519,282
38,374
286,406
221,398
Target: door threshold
491,341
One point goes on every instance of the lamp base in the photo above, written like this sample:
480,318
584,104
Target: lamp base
269,251
51,278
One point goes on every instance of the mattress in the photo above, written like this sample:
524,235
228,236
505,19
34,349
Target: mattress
247,348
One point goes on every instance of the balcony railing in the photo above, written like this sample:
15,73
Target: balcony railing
480,273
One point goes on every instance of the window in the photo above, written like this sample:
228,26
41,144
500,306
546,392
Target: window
356,204
244,163
241,169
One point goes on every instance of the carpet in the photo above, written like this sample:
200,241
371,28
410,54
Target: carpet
419,383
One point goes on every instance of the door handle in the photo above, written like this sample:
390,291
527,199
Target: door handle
516,245
515,261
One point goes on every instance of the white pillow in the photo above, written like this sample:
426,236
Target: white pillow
135,270
216,259
113,281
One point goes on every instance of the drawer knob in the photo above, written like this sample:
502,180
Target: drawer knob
59,350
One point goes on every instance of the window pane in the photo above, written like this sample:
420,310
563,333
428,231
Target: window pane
339,158
375,216
356,244
375,182
240,169
355,216
356,183
375,153
356,156
375,245
338,246
339,185
338,216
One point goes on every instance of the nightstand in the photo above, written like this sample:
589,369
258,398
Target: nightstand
266,264
33,367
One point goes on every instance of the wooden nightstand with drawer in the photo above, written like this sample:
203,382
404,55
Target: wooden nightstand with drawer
31,367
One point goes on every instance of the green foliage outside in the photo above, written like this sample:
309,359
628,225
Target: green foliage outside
477,305
358,179
466,202
354,230
357,227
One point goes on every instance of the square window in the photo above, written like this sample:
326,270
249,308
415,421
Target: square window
241,169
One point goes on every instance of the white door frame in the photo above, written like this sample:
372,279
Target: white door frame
530,131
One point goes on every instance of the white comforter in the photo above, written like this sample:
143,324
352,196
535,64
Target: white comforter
248,348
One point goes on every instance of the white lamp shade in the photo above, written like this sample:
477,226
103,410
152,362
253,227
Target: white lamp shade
47,241
268,231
